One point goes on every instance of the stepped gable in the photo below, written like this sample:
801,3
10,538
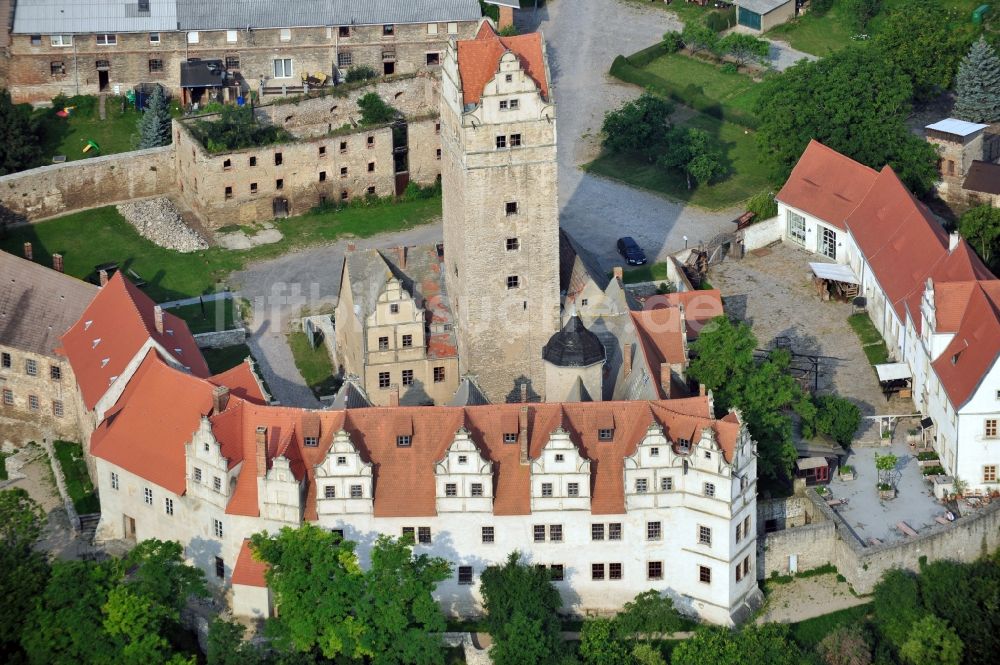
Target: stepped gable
115,325
960,264
479,60
976,346
827,184
38,304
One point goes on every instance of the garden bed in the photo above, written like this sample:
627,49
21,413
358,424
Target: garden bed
74,468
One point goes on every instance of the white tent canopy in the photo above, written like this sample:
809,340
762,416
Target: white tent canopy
835,272
893,372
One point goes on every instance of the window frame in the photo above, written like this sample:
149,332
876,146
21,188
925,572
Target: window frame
466,575
650,574
614,531
63,41
287,68
109,39
597,531
488,535
654,530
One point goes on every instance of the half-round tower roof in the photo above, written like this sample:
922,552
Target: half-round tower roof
574,346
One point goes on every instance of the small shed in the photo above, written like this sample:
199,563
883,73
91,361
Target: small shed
204,81
759,16
895,378
835,280
813,469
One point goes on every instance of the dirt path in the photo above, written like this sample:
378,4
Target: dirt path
807,597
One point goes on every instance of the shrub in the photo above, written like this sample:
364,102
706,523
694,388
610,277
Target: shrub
374,110
723,20
927,455
845,646
361,73
235,129
673,42
763,206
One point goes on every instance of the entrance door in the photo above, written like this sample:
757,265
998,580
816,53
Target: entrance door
103,78
828,243
822,474
280,207
129,528
388,68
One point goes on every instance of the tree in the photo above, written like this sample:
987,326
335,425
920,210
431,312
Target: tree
861,12
763,206
401,619
821,100
896,605
226,645
646,654
154,125
521,613
640,125
699,37
158,571
922,41
968,597
981,227
754,644
650,612
977,83
932,640
690,151
723,349
744,48
374,110
885,465
316,579
21,520
135,624
834,416
19,136
23,571
602,643
845,646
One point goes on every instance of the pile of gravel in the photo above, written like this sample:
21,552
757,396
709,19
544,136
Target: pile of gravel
159,221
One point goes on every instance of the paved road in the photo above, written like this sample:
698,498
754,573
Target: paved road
582,39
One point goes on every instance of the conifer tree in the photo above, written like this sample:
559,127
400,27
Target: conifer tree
154,125
977,86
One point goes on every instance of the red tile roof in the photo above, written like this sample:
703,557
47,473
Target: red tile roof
111,331
248,571
826,184
479,60
700,307
242,382
976,345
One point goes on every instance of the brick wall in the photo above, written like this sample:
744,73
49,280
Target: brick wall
62,188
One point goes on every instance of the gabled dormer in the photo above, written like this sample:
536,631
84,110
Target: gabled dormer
208,475
654,473
560,476
344,480
463,478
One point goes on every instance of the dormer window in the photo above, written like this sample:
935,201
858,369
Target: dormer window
510,437
178,350
311,441
96,342
463,459
559,457
605,434
87,324
105,361
654,452
684,445
404,441
342,460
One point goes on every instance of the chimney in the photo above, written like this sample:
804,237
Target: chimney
394,395
402,257
220,397
627,359
702,391
261,451
524,393
522,433
158,318
57,262
952,241
28,252
665,379
506,17
618,272
103,276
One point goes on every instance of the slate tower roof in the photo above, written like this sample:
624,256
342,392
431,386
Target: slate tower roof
574,346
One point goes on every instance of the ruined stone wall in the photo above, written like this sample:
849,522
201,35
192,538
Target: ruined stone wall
62,188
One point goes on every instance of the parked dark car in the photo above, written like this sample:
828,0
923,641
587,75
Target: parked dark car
631,252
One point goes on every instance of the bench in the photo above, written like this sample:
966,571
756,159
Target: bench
906,529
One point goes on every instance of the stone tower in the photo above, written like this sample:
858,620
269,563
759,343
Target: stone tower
501,213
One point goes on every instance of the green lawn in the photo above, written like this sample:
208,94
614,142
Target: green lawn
871,341
74,468
811,632
313,364
88,238
651,272
747,174
209,316
225,358
68,136
692,75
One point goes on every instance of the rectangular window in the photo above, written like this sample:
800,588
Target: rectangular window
504,105
33,402
343,171
641,485
614,571
432,28
253,188
217,484
705,574
388,30
597,571
31,369
36,40
555,533
217,528
57,68
220,567
654,570
285,35
192,37
147,496
344,31
8,396
510,437
709,489
513,244
451,489
615,531
107,40
465,574
477,489
339,533
597,532
61,40
573,489
501,142
557,572
546,489
704,535
433,59
154,38
232,62
279,183
605,434
407,341
991,426
371,141
5,360
424,535
746,526
407,377
383,379
231,36
394,309
371,167
437,154
57,408
990,473
488,534
739,532
539,532
341,460
155,66
253,161
654,452
410,533
513,281
114,480
356,492
228,192
653,531
453,28
370,191
383,343
666,484
739,571
515,140
330,492
513,106
168,506
746,565
797,227
282,68
404,441
197,475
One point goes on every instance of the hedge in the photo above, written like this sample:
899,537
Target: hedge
629,70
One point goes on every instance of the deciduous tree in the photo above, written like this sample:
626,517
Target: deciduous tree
699,37
768,643
374,110
861,12
977,86
932,640
691,152
20,147
23,571
744,48
640,126
981,227
845,646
